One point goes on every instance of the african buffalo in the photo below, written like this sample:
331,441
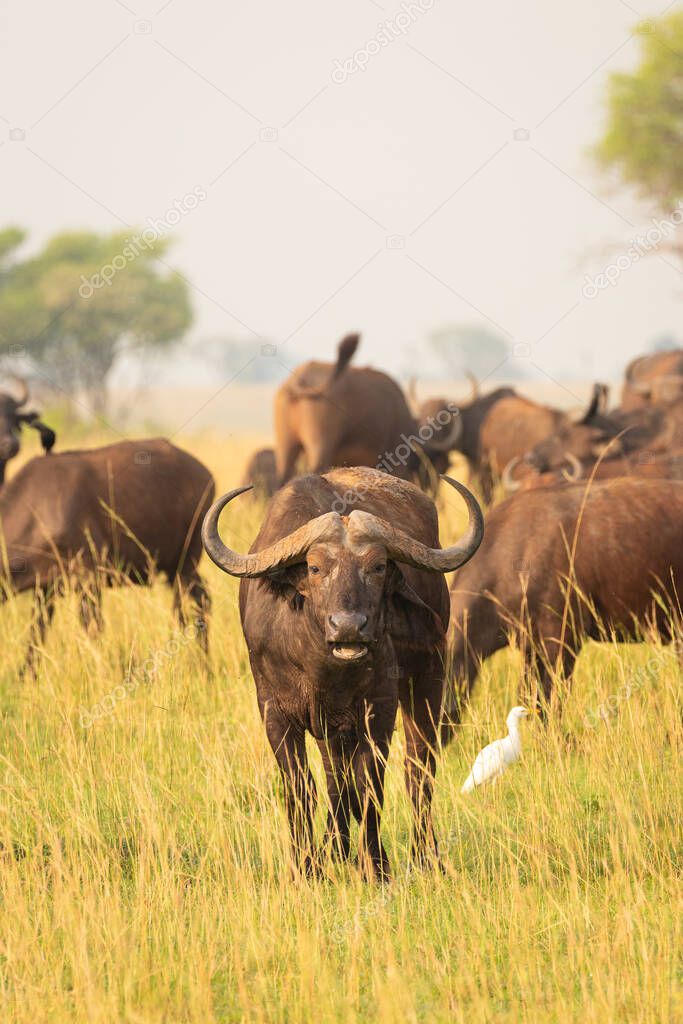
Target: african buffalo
650,429
11,421
653,378
563,564
500,426
338,635
262,473
101,517
338,415
653,465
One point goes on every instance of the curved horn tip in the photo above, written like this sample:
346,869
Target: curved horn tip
576,468
401,547
210,536
507,479
474,384
23,392
475,532
287,551
448,443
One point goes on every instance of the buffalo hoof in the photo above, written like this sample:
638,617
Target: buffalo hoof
338,850
308,868
426,858
375,869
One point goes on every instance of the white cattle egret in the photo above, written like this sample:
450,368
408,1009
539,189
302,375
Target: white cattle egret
494,759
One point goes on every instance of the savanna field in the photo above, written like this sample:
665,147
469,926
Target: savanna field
145,872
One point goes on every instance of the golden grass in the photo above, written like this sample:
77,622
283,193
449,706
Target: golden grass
144,867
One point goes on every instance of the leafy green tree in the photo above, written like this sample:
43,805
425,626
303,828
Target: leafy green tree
643,139
77,305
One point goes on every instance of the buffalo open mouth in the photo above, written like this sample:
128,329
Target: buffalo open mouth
349,652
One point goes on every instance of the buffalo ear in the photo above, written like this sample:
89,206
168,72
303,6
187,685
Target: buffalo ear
598,403
290,584
399,589
47,434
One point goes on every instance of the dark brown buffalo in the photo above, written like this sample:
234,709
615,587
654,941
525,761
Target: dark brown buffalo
651,430
12,418
344,619
501,426
648,465
339,415
261,472
103,517
619,543
654,378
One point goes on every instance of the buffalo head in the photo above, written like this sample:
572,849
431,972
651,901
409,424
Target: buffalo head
577,440
342,568
11,420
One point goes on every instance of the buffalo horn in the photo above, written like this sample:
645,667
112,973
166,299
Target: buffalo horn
289,550
22,399
401,547
444,444
363,527
474,384
576,471
507,478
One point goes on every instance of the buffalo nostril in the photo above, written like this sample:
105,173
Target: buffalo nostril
350,622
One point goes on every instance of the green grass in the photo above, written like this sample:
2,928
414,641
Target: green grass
144,870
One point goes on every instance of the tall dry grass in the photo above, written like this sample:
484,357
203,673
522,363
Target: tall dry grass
144,864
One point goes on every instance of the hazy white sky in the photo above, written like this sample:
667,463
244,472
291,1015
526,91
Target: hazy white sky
402,198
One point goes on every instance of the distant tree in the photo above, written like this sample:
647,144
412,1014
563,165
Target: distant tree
642,142
82,301
461,348
665,343
254,360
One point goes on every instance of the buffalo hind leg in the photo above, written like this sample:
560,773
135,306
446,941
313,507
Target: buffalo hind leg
90,606
43,612
421,701
552,664
286,462
191,586
463,670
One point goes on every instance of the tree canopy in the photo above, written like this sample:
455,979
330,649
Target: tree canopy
73,308
643,138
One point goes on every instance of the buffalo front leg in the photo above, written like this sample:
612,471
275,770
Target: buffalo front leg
369,763
190,586
337,754
288,743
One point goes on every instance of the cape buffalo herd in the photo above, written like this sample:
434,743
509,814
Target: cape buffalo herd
654,378
343,599
499,428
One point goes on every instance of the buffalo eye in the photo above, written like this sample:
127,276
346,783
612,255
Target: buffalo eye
314,570
380,567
